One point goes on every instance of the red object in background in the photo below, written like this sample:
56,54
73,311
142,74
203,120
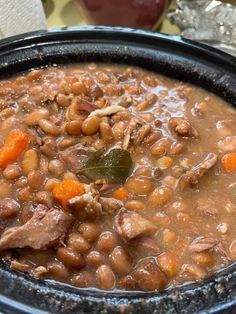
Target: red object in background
131,13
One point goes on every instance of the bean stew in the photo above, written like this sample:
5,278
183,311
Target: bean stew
113,177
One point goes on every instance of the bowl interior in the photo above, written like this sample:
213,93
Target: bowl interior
167,55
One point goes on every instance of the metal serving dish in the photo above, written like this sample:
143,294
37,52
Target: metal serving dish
169,55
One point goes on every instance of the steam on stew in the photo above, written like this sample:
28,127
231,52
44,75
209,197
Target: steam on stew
115,178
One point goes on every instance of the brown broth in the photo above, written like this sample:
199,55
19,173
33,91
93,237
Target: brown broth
175,234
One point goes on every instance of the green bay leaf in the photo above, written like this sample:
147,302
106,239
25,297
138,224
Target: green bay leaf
114,166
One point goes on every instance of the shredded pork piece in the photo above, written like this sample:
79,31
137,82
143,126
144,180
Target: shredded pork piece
191,177
108,111
129,131
46,228
141,134
182,127
74,157
90,205
130,225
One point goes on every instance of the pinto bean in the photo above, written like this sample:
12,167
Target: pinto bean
70,176
118,130
90,125
176,148
128,283
98,144
144,171
21,182
12,172
57,271
44,165
6,113
169,237
33,118
74,127
44,198
70,257
25,195
5,190
148,275
78,88
106,277
50,184
48,127
204,259
120,260
135,205
30,161
161,147
83,279
63,100
67,142
106,132
56,167
49,146
95,259
35,75
194,271
106,242
90,231
139,185
78,243
160,196
8,208
168,263
35,179
161,218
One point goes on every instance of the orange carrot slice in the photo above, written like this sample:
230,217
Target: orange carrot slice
66,190
15,144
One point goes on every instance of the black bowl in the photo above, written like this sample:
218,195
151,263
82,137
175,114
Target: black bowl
169,55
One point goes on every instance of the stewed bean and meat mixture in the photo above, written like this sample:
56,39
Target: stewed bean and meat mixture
115,178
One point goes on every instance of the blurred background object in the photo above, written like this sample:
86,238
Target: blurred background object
131,13
61,13
208,21
21,16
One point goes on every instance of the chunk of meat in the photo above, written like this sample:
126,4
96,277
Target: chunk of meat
108,111
74,157
191,177
141,134
207,207
35,139
85,206
228,144
45,229
201,244
182,127
89,206
110,205
83,107
146,244
148,275
130,225
130,132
